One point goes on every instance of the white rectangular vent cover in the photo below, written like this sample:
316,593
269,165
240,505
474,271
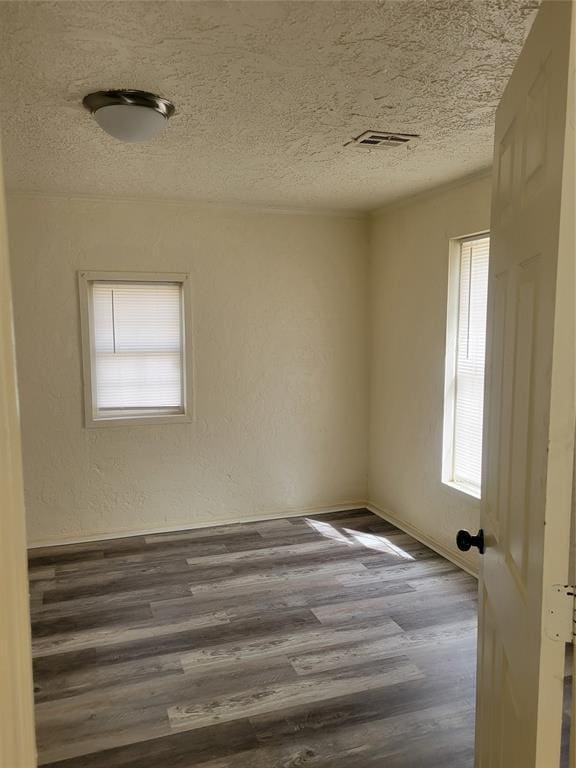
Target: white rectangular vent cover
381,140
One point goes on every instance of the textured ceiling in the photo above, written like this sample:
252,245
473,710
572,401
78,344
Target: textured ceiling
267,94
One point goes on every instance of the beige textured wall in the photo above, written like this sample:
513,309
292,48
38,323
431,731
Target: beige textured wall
408,292
280,327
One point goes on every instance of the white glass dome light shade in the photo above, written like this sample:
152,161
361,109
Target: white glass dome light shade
128,122
129,116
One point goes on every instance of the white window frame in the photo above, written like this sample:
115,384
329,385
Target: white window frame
454,259
91,417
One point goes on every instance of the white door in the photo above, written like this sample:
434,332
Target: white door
529,406
17,744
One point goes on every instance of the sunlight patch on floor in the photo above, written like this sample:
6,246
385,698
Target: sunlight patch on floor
351,538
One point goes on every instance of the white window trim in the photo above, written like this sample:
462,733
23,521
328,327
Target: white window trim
91,420
454,253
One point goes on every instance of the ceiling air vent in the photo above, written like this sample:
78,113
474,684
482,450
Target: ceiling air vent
381,140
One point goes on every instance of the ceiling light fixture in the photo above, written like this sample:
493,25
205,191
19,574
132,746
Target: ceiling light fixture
129,115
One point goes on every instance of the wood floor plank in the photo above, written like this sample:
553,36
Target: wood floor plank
377,648
142,557
66,642
262,527
178,749
73,606
442,729
410,619
95,571
390,601
111,678
305,690
240,584
287,642
40,573
276,598
46,627
291,551
115,582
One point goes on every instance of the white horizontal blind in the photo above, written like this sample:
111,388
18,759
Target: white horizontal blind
469,370
138,347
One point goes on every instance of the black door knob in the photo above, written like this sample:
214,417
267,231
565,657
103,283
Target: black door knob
465,540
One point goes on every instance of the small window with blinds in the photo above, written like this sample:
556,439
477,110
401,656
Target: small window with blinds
465,352
135,358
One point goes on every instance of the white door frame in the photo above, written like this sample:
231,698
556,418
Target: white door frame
17,739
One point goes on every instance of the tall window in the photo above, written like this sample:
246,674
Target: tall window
465,351
134,348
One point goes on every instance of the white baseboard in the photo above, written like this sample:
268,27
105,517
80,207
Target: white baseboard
416,533
385,514
127,533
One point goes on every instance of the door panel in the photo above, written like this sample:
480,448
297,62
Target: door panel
517,507
529,406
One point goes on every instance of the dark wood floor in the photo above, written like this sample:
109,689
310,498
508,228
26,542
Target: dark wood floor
331,641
